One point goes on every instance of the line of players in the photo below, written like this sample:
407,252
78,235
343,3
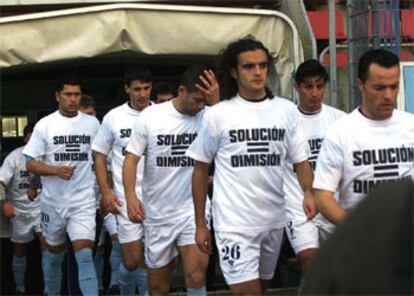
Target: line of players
168,149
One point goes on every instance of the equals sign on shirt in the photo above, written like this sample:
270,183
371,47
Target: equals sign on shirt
179,149
256,147
381,171
72,148
314,154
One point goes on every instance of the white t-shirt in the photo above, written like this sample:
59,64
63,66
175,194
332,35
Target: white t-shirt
314,129
164,135
58,140
16,177
250,142
113,137
359,153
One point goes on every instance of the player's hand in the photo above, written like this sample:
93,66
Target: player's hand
136,211
211,88
31,193
309,205
8,210
65,172
203,239
110,203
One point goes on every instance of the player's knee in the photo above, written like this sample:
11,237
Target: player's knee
20,250
130,264
157,287
195,279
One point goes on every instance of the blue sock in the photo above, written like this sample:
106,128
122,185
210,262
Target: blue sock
197,292
86,272
142,280
99,266
19,270
52,272
115,261
127,281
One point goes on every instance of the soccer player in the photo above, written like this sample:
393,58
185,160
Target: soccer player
310,82
371,146
249,134
163,92
167,208
24,214
60,152
112,138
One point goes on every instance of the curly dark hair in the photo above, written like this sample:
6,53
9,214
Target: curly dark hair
229,58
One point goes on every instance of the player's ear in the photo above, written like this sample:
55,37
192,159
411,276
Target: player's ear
360,85
233,73
126,88
57,96
182,91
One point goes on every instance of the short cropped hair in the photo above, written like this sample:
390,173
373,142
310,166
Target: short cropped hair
137,73
308,69
87,101
191,77
28,129
67,79
382,57
163,88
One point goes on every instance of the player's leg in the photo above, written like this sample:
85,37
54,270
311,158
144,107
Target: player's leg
271,243
99,259
239,261
20,235
111,226
303,237
132,270
160,279
19,266
160,255
81,230
195,265
194,261
53,229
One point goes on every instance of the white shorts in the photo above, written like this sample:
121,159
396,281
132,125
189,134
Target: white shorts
249,255
78,222
161,241
109,225
325,231
24,226
128,231
302,235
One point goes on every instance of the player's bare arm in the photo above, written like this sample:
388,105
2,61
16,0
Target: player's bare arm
42,169
305,178
136,211
110,201
199,188
211,88
329,207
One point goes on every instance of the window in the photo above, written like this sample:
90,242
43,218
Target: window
13,126
406,94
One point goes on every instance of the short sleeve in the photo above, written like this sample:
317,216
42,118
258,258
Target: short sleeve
298,149
206,144
103,140
36,147
139,137
6,170
329,166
